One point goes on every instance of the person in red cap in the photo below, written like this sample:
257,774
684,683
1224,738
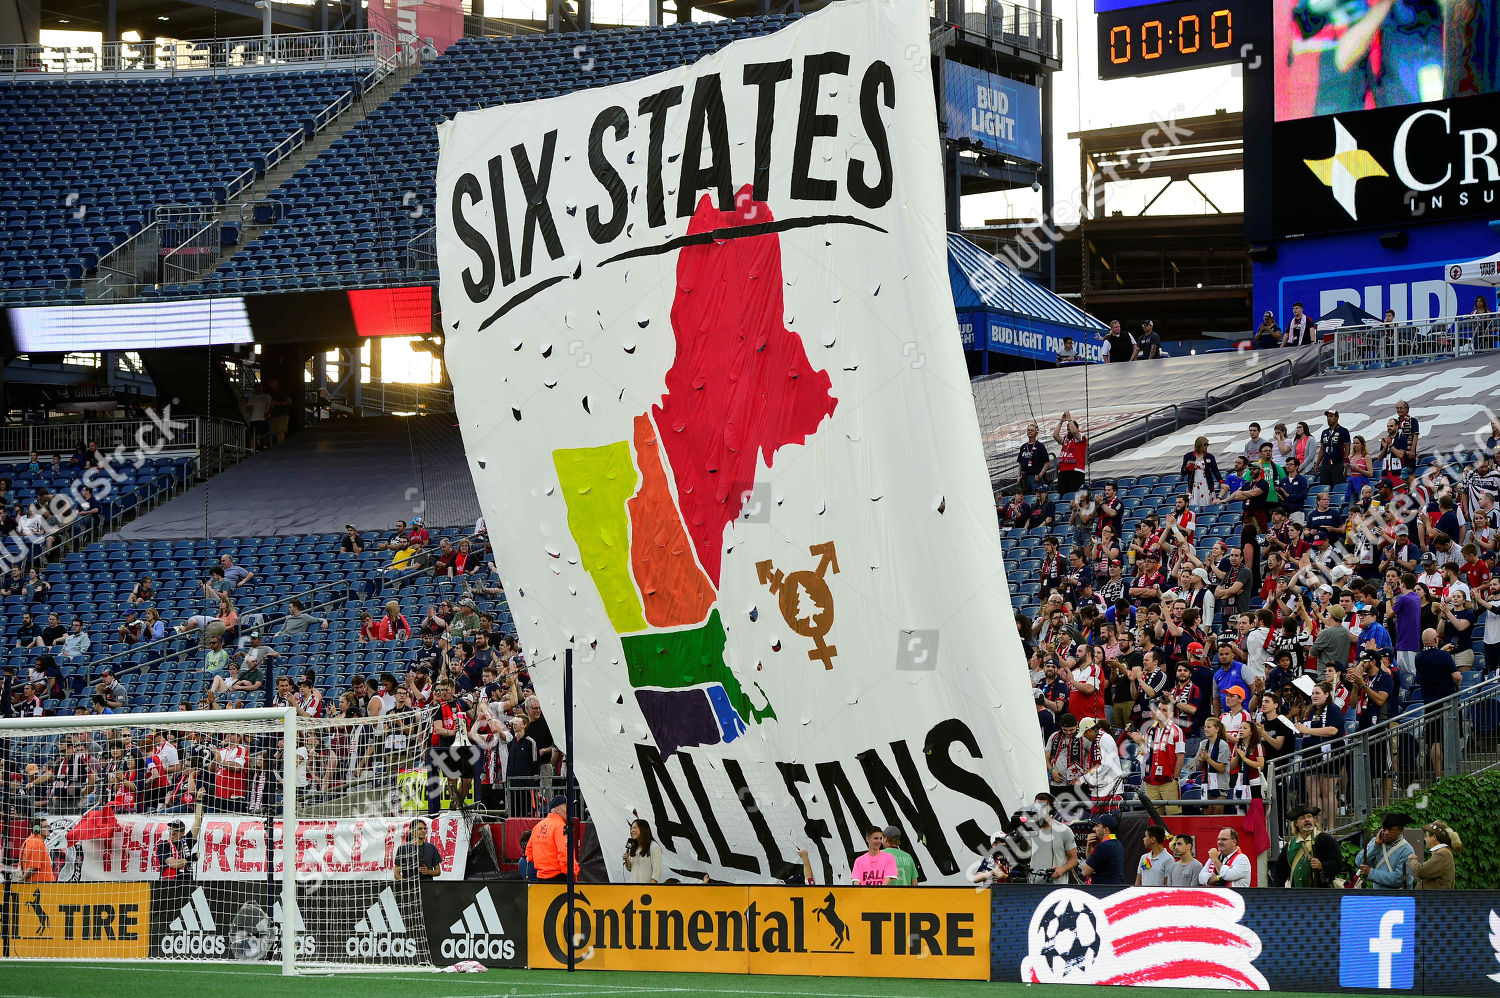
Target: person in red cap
1235,719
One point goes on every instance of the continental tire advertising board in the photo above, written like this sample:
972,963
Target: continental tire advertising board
837,932
1432,942
75,921
476,921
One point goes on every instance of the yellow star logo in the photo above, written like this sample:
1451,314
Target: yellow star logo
1348,165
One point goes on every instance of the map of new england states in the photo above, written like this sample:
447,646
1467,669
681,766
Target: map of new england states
740,388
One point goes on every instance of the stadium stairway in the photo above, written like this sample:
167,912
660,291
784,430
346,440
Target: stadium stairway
267,185
351,213
88,166
369,472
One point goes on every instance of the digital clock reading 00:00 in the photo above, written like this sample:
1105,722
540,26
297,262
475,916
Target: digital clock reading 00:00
1165,37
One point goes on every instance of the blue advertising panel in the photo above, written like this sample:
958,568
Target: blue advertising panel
1458,942
1322,271
1038,340
998,113
1378,941
1427,942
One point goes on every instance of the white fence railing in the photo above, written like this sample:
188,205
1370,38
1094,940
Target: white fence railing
301,50
61,436
1406,342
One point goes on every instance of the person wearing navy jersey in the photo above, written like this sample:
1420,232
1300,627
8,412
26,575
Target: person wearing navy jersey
1438,676
1032,461
1333,451
176,853
445,762
1408,434
1373,690
1106,862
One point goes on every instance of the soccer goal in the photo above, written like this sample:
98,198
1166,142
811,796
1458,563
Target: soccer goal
237,835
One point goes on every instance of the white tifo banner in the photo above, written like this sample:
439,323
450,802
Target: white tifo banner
715,404
233,847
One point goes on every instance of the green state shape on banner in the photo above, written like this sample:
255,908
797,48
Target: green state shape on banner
596,483
693,657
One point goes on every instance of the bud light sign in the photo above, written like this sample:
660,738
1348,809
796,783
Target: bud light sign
993,112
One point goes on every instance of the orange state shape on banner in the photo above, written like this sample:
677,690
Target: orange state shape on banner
674,589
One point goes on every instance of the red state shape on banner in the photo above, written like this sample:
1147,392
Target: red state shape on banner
741,386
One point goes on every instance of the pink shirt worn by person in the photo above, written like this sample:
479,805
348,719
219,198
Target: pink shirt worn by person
873,871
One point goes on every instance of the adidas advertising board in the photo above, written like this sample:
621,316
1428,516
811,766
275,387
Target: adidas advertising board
476,921
340,922
193,931
382,931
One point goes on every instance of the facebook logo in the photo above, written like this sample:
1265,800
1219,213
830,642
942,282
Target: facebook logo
1377,942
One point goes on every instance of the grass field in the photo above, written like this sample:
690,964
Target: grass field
51,979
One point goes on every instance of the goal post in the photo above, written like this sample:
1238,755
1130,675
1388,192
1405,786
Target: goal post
256,835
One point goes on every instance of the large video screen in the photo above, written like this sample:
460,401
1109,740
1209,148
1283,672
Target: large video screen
292,317
130,325
993,112
1338,56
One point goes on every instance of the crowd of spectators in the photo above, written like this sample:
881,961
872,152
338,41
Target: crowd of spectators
1301,329
459,711
1184,667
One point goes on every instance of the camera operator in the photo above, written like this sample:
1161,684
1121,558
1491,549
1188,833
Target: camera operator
1054,847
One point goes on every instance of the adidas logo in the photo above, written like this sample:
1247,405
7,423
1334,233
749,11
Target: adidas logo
306,944
382,932
479,934
193,932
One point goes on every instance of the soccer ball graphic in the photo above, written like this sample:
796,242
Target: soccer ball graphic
251,933
1070,939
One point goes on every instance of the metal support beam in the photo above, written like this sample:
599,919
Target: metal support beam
1049,254
1204,194
1154,197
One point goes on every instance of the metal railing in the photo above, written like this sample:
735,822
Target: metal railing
129,266
194,236
223,443
482,25
1170,417
301,50
142,656
61,436
180,244
1005,23
1352,777
389,398
421,253
1409,342
17,549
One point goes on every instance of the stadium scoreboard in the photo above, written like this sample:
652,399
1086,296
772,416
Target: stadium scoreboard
1144,38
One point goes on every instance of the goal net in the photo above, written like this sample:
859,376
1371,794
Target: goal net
165,837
